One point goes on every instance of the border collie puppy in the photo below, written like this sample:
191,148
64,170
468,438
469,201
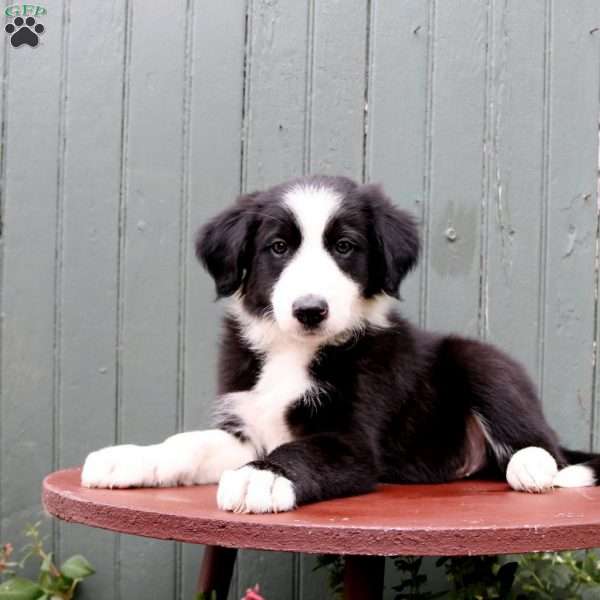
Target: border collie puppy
324,389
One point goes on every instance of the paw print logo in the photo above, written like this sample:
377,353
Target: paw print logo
24,32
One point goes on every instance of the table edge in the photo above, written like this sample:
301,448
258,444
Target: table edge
321,539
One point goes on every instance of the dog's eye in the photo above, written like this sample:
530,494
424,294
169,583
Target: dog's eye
279,247
343,246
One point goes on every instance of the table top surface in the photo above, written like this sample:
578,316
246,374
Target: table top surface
465,517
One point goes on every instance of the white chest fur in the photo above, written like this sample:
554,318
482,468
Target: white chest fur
283,380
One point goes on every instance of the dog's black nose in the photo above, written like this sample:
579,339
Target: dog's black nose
310,310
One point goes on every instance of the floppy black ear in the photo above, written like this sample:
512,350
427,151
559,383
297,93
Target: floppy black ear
396,241
223,245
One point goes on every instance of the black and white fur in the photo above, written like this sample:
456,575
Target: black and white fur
324,389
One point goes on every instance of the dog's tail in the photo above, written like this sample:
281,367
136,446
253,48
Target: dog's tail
583,469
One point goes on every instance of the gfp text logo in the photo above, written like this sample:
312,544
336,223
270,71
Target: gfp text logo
25,10
24,29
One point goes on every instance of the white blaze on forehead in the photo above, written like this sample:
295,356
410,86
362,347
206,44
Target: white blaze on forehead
312,270
313,207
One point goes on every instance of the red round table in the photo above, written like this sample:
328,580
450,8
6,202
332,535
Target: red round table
459,518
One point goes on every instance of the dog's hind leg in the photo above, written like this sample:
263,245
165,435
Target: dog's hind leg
497,392
521,444
524,451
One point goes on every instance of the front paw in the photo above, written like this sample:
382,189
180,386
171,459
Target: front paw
531,469
253,490
121,467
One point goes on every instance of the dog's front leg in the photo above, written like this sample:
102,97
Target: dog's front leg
313,468
188,458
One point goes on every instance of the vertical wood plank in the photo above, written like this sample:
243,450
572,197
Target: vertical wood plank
90,243
337,87
399,116
595,441
515,186
212,174
458,121
571,221
335,114
3,201
276,92
214,182
148,375
30,222
398,130
275,135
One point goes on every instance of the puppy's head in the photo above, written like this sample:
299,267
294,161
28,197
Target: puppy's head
315,258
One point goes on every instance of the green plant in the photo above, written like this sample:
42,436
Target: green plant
479,577
335,566
411,586
559,576
539,576
53,583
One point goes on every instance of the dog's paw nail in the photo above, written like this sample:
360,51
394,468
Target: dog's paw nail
254,490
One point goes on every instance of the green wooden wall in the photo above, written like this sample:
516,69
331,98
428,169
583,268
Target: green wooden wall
134,121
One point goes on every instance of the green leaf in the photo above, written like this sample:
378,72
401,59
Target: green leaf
402,585
55,585
45,580
18,588
46,564
77,567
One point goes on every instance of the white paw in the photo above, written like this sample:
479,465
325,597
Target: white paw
253,490
190,458
575,476
120,467
531,469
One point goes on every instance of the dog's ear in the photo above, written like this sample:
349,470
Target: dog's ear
395,240
223,245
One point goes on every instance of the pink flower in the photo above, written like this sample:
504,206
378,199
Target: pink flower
5,552
253,594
